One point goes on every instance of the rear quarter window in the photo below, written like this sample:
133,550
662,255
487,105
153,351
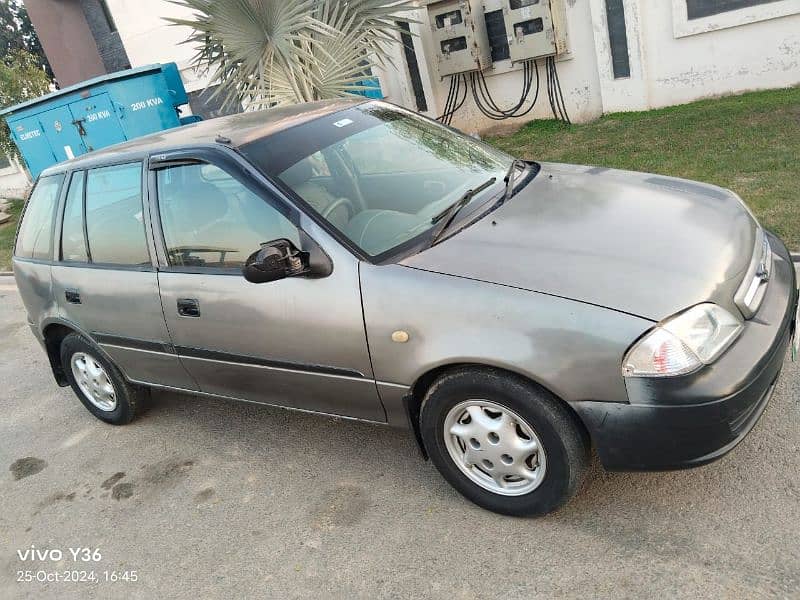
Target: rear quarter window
35,238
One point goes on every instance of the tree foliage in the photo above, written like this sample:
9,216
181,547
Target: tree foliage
21,78
271,52
24,70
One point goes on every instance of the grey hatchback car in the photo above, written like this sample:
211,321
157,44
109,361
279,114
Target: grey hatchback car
355,259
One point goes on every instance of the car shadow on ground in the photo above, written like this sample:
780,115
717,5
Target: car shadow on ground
261,432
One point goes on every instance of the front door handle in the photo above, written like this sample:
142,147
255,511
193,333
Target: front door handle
73,296
188,307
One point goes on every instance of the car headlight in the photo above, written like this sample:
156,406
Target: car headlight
683,343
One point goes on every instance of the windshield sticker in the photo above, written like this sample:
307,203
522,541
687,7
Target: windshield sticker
343,123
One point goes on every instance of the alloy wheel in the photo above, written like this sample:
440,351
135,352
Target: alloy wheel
495,447
93,381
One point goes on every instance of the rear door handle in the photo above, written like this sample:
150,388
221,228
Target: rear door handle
188,307
73,296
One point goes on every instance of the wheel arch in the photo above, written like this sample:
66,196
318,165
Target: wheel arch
416,394
54,331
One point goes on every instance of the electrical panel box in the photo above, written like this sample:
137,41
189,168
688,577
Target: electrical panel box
459,36
96,113
535,28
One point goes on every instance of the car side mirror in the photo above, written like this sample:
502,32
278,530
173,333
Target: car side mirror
275,260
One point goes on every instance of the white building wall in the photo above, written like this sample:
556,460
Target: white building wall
14,180
577,72
672,60
629,93
149,39
392,85
394,78
748,49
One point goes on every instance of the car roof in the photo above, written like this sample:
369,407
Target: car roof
239,129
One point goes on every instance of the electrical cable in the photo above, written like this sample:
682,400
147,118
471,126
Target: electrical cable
560,93
536,95
449,99
549,73
489,107
453,103
463,98
494,111
515,111
554,92
551,86
485,111
487,98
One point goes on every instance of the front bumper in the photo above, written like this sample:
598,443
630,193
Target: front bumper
688,421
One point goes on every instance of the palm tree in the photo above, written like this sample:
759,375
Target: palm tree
271,52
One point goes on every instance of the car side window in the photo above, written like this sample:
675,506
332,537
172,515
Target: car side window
114,218
211,220
73,241
35,239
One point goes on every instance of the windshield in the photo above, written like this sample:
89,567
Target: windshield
379,174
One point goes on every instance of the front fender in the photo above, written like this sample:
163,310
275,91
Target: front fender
571,348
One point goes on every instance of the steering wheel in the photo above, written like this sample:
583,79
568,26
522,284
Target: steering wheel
339,161
346,202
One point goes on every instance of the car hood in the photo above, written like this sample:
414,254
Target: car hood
643,244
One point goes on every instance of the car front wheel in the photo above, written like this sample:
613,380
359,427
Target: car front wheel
503,442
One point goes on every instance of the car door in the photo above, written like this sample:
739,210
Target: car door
97,122
31,139
62,134
106,284
297,342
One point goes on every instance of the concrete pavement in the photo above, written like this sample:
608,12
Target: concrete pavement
215,499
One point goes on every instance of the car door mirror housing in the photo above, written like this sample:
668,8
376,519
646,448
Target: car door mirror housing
275,260
319,263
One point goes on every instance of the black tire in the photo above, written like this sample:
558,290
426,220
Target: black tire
563,438
129,399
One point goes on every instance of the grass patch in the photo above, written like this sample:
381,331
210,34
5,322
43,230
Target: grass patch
748,143
7,232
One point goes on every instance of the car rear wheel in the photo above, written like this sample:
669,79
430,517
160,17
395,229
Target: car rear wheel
97,382
503,442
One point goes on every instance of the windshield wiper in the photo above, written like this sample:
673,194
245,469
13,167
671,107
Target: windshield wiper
510,177
444,218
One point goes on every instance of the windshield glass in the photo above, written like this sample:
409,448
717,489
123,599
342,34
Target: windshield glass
380,174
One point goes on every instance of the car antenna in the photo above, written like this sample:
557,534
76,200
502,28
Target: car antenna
221,139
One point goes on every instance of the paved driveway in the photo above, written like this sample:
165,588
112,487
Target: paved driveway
208,499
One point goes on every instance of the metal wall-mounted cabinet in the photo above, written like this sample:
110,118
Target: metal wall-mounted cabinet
459,36
96,113
536,28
